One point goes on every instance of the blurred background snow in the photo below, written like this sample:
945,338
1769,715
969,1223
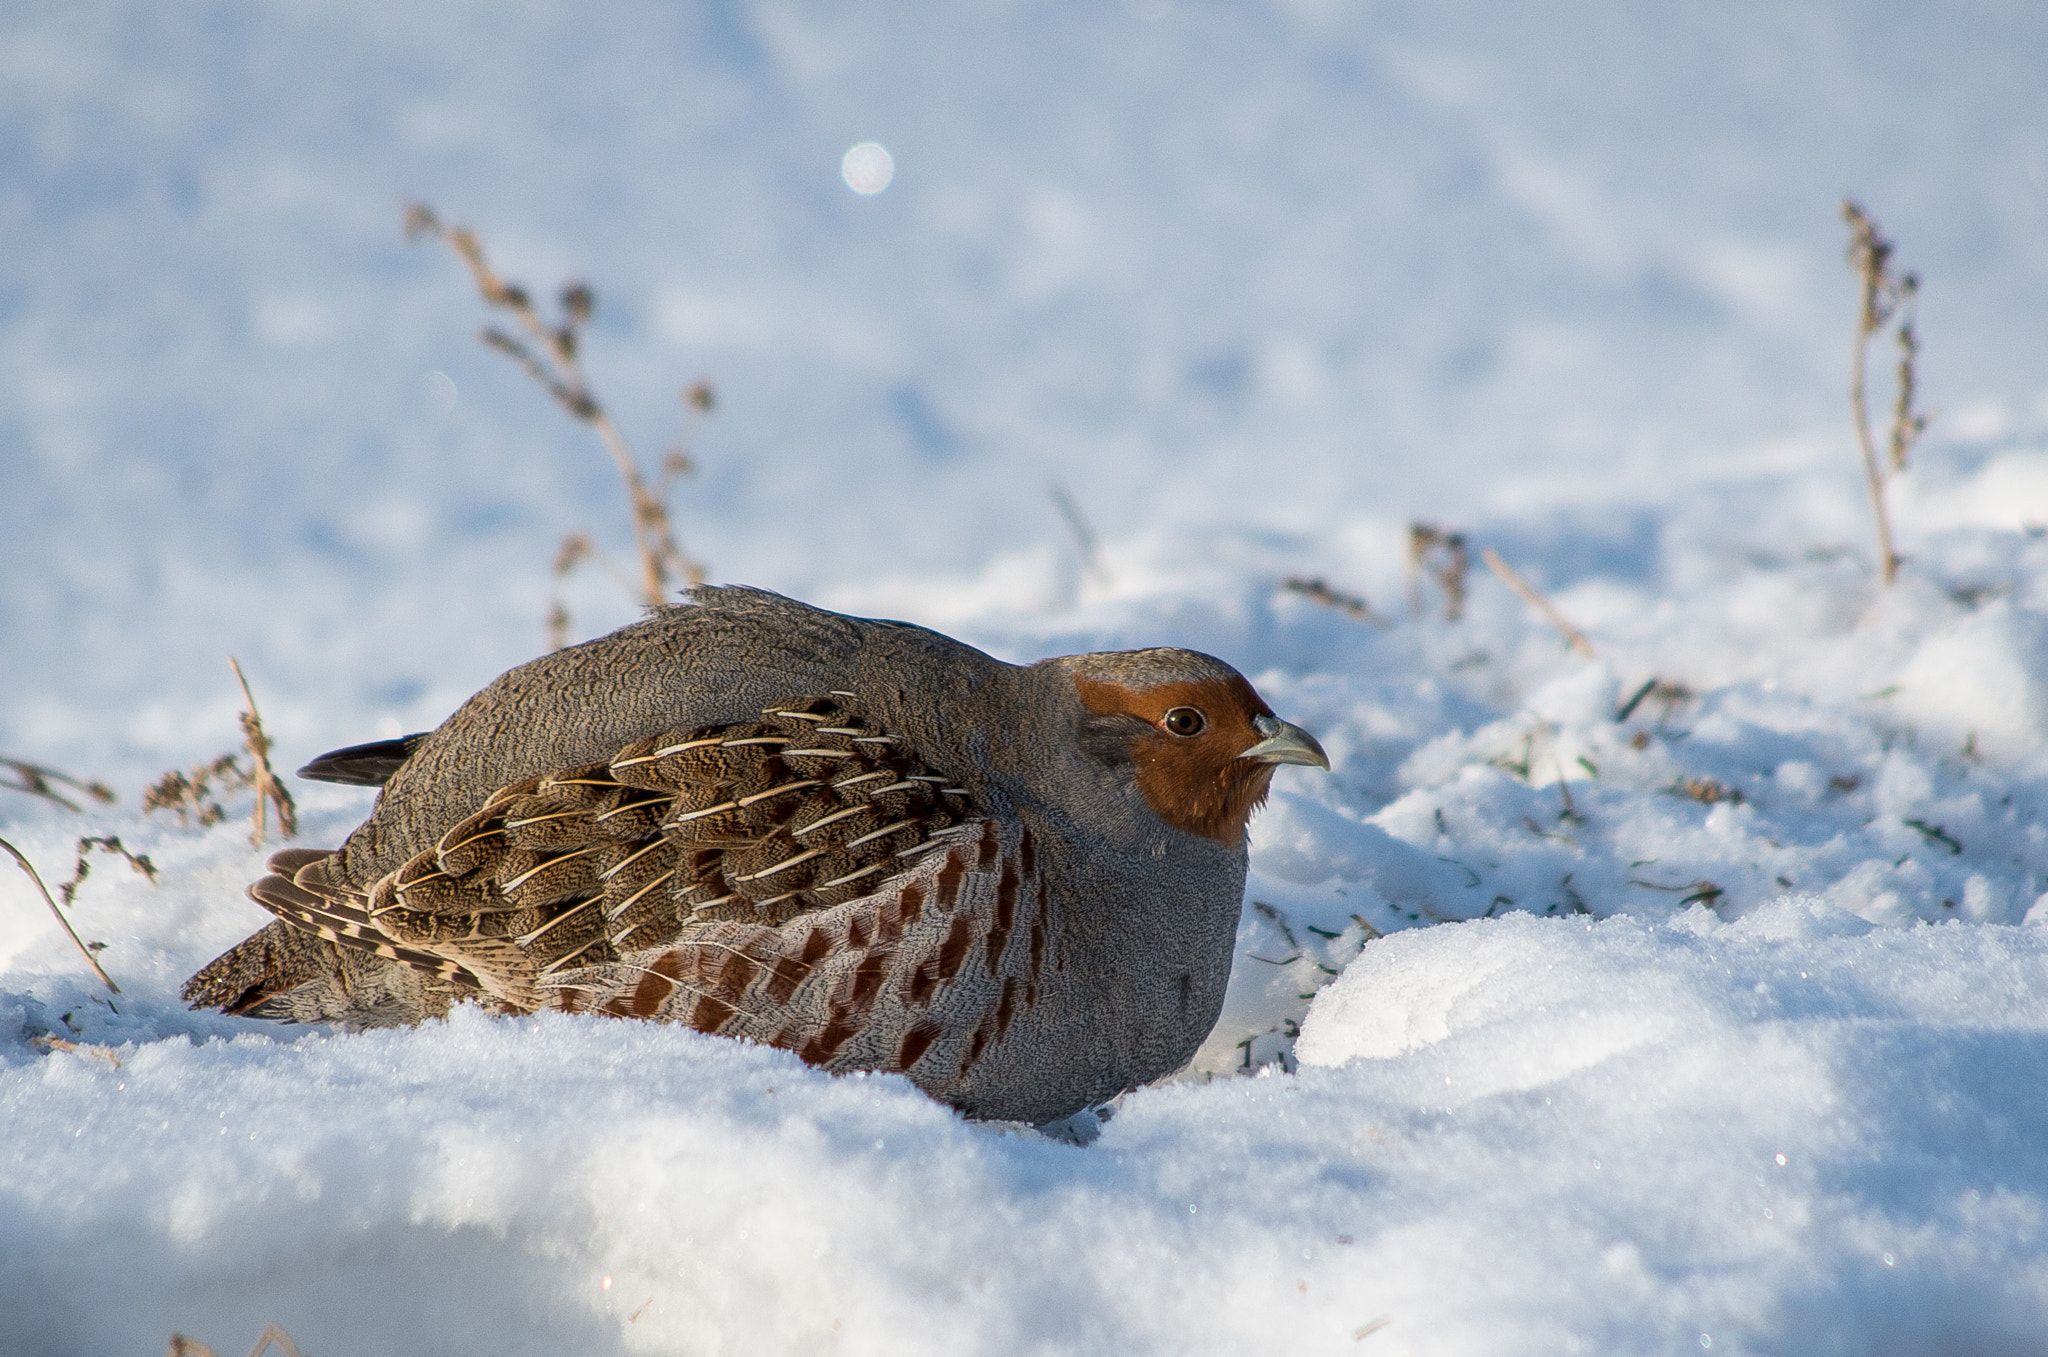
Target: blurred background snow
1297,268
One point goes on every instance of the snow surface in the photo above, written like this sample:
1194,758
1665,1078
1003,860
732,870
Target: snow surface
1730,1030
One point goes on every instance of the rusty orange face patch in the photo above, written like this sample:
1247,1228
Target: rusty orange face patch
1194,781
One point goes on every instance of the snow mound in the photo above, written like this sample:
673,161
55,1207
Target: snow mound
1795,1132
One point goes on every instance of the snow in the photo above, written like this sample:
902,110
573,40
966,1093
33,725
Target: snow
1718,1026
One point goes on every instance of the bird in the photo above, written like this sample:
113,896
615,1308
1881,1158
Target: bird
859,840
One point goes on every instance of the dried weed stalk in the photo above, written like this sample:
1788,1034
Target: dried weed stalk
1707,791
1543,606
575,547
191,795
110,844
1318,590
36,780
49,1042
1443,556
262,777
551,355
196,795
21,860
1885,297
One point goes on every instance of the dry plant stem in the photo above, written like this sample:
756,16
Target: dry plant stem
273,1334
575,546
1870,255
62,922
561,374
262,777
181,1346
49,1042
650,520
1351,605
1873,475
36,780
651,537
1572,635
1424,541
1907,423
82,868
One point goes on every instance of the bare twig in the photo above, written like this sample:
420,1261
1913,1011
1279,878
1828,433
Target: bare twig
37,780
1319,591
262,778
63,922
1572,635
1883,296
550,355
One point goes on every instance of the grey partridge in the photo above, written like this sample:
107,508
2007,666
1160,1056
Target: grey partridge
859,840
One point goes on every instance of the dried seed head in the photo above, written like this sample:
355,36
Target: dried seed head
579,303
420,221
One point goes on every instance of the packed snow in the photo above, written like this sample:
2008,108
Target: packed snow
1688,995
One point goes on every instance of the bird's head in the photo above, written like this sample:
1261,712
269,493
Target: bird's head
1200,743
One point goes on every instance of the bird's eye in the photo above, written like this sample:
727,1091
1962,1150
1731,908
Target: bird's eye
1185,721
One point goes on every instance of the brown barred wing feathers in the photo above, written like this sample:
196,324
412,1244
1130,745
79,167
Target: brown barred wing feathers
756,823
925,976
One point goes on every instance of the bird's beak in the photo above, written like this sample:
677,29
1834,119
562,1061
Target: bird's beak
1285,742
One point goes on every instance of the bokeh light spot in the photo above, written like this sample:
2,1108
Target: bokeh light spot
867,168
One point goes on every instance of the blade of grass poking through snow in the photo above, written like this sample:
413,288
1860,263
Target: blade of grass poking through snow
62,922
1635,700
1572,635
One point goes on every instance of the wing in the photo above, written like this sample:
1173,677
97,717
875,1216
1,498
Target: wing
363,765
761,822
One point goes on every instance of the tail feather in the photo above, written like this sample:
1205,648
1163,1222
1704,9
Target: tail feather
323,961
